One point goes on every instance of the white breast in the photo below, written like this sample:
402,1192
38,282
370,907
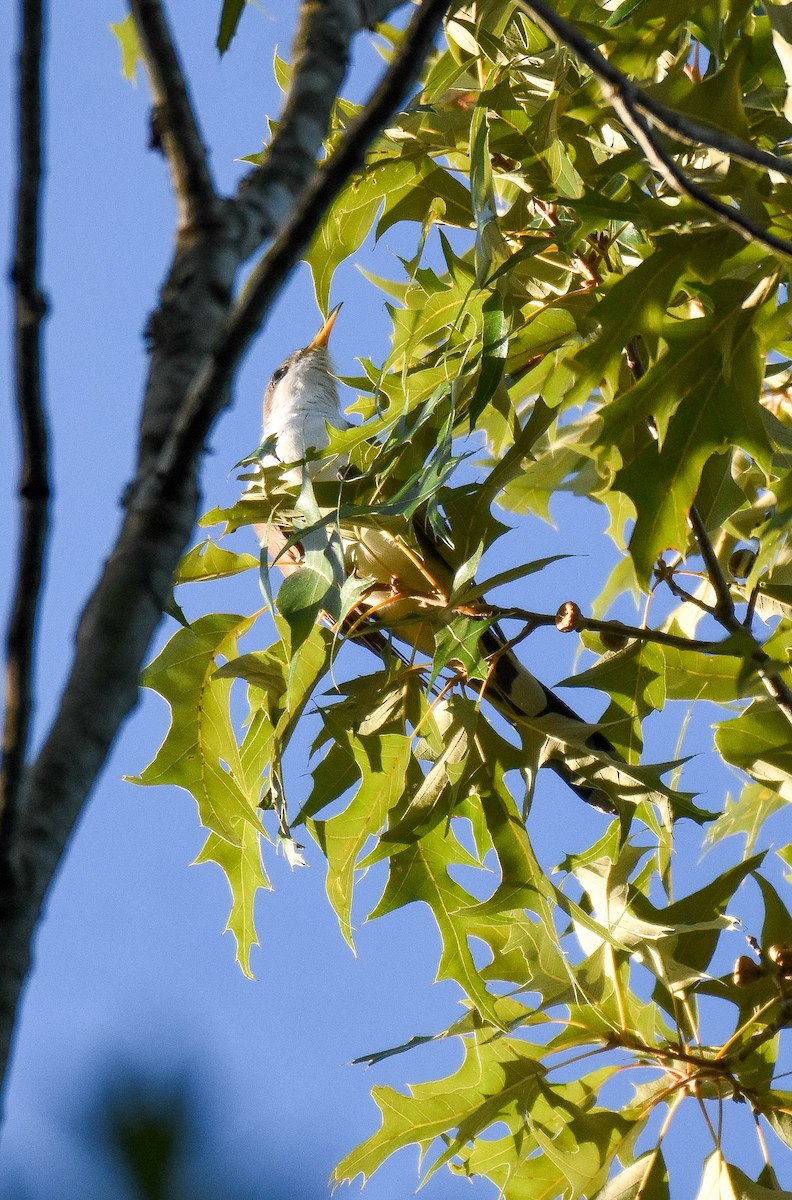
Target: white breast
300,406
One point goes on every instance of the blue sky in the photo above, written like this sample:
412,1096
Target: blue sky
132,975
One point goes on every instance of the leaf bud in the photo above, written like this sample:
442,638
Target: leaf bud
746,971
741,563
569,618
781,955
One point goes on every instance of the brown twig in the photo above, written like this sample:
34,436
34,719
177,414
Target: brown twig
676,179
635,633
635,110
175,120
34,487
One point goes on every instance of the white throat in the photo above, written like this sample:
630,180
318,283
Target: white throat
300,405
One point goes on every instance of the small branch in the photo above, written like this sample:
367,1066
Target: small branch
633,107
723,611
34,487
638,634
774,685
208,392
174,121
635,633
677,179
681,593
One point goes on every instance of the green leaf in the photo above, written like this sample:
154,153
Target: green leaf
760,743
229,19
382,764
421,873
777,1111
243,868
302,597
434,799
746,815
723,1181
645,1179
494,350
207,560
200,752
636,305
777,925
491,250
710,381
497,1080
129,44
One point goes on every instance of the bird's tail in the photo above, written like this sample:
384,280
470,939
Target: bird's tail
518,695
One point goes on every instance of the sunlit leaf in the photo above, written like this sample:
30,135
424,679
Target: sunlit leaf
129,45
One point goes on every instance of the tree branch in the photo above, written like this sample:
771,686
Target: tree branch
174,124
677,180
34,487
119,619
723,612
633,107
269,275
266,196
635,633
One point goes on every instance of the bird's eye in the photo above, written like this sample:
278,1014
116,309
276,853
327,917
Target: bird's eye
278,374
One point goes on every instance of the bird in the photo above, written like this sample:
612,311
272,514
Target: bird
405,580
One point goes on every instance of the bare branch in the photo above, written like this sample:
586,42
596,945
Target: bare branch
119,620
320,55
34,488
175,126
265,281
626,100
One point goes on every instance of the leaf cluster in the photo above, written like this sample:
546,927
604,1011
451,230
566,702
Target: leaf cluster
568,323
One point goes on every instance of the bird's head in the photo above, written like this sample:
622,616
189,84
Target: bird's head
302,398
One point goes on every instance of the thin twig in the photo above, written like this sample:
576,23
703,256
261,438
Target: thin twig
633,108
636,633
34,488
208,393
174,123
723,611
676,179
